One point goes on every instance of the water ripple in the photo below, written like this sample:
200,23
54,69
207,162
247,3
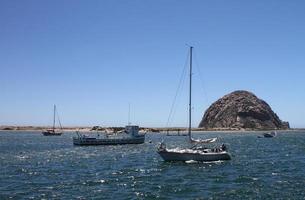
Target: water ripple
36,167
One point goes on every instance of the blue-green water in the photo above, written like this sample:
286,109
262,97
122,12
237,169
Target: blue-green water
33,166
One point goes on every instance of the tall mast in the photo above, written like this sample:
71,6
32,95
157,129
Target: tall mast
54,117
129,114
190,95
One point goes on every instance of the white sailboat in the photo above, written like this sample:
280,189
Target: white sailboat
196,152
53,131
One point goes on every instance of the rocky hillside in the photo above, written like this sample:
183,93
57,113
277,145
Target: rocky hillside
241,110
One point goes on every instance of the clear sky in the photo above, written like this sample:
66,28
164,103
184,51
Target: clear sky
93,58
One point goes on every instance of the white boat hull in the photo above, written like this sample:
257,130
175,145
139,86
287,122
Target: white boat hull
132,133
187,156
107,141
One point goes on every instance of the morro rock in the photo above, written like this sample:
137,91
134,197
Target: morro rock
241,110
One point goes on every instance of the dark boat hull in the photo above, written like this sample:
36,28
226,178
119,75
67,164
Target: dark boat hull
270,135
201,157
46,133
107,141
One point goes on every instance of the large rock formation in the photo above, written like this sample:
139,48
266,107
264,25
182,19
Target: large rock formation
241,110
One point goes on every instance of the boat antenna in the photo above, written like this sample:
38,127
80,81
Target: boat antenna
190,96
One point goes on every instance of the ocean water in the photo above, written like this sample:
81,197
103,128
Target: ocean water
33,166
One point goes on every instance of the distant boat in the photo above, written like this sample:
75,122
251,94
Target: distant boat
196,152
53,131
271,134
129,136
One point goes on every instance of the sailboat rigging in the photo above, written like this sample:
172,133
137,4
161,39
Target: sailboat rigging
196,152
53,131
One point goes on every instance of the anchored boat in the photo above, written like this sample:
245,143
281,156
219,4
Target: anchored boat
270,135
129,136
53,131
197,152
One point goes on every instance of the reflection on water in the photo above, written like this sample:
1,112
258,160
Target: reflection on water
38,167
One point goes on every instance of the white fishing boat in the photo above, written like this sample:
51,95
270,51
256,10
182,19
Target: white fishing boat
197,152
130,135
53,131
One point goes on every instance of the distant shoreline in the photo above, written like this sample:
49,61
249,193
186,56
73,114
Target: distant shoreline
146,129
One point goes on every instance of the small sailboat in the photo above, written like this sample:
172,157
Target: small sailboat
53,131
197,152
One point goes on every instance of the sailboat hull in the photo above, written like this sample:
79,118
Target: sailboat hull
270,135
51,133
201,157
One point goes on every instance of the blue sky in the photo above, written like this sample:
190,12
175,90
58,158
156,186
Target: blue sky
93,58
